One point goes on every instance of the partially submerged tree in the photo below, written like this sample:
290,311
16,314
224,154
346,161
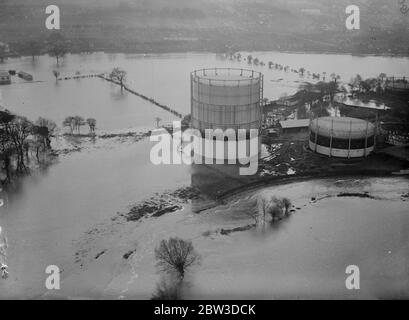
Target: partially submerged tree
34,48
19,136
157,121
6,147
275,211
176,256
57,46
78,123
356,83
18,131
3,51
335,77
69,122
92,123
46,130
287,205
119,76
56,74
273,206
167,289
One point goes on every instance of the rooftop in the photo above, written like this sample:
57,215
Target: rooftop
287,124
227,76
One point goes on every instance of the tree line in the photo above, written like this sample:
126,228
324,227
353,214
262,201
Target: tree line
56,46
74,123
19,139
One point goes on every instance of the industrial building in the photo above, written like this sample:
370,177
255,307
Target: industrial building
226,99
342,137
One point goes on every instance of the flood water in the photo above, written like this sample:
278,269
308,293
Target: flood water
54,207
306,255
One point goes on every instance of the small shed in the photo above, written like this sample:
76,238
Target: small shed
295,126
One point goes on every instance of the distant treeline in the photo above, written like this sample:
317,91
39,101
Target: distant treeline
178,26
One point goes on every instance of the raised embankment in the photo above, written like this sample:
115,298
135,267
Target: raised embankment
140,95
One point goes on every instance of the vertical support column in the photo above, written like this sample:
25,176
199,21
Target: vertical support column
316,136
349,142
330,141
376,131
191,98
366,138
309,131
261,99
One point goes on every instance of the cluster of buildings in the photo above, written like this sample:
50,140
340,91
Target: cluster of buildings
233,99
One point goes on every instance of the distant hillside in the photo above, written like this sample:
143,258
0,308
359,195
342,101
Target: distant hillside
216,25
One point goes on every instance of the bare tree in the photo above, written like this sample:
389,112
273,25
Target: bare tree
34,48
18,130
335,77
92,123
69,122
273,206
78,123
57,46
176,256
6,146
275,212
3,51
287,205
157,121
45,128
3,253
56,74
119,76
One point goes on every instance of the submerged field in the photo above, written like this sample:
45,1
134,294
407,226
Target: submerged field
73,213
361,222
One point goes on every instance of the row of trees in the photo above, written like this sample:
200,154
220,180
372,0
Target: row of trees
74,123
272,206
277,66
19,137
56,46
359,85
